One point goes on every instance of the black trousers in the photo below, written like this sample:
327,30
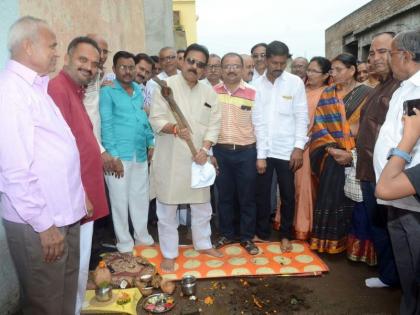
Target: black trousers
236,184
404,230
286,182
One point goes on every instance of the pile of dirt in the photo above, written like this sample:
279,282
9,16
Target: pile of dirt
267,296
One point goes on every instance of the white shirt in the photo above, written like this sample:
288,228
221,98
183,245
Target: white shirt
256,76
91,102
391,133
280,116
151,85
206,81
163,75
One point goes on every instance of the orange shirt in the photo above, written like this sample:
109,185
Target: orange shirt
236,127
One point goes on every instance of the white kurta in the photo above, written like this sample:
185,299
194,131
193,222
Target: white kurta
170,170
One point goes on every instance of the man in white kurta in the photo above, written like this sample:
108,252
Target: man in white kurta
172,160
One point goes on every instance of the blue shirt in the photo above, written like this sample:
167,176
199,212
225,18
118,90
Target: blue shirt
125,129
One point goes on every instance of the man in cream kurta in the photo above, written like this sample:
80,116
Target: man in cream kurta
171,163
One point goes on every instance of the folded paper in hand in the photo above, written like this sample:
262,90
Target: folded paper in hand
202,175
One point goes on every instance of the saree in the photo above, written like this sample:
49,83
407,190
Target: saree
333,211
304,188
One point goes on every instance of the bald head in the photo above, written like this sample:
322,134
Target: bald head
248,70
103,45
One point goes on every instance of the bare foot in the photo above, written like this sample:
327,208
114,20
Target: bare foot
167,265
256,239
286,246
212,252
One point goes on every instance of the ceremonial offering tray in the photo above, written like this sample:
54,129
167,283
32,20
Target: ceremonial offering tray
159,303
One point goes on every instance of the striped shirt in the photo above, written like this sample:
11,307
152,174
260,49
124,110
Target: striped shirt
236,127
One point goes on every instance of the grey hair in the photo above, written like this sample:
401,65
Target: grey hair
24,28
409,41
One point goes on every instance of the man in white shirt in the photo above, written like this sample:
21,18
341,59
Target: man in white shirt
403,214
213,70
258,52
281,124
168,62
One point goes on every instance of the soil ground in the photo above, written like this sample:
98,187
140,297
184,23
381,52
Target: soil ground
341,291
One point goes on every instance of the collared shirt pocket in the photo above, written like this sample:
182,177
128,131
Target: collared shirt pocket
284,105
244,116
204,116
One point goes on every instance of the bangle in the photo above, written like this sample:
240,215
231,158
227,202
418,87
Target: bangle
174,130
205,150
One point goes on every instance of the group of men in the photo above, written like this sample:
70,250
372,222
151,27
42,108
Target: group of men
60,137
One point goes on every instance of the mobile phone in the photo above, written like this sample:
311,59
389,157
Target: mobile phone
409,105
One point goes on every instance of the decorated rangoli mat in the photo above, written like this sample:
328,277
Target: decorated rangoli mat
237,262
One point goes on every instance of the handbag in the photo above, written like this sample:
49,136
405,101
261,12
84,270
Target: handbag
352,187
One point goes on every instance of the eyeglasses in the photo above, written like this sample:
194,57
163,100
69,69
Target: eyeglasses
214,67
255,56
232,67
309,71
126,68
393,52
199,64
380,51
168,58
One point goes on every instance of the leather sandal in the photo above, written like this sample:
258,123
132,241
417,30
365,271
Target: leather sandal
222,241
250,247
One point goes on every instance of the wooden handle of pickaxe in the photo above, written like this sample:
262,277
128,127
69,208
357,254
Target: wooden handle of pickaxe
176,111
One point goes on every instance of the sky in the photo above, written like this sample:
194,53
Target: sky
236,25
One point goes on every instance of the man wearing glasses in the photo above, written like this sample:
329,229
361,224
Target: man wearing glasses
168,61
213,71
372,116
128,138
299,66
171,165
258,55
236,155
403,213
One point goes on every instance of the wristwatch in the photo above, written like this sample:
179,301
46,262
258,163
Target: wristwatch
397,152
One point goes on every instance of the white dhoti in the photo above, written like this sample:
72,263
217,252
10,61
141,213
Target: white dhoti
86,233
168,227
130,194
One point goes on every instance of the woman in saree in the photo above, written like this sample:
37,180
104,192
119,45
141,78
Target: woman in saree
335,126
317,80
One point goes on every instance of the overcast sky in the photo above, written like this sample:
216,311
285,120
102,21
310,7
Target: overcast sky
236,25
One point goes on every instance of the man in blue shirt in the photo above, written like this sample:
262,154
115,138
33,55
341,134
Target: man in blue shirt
128,138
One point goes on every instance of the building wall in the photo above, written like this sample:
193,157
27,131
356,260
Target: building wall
188,18
408,20
159,25
121,23
369,16
9,12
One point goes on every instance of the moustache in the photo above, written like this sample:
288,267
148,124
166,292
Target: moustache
141,77
193,71
230,73
84,70
250,73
